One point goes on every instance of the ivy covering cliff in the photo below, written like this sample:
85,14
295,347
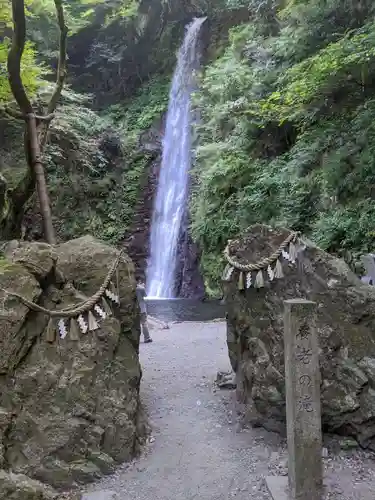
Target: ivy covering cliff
287,131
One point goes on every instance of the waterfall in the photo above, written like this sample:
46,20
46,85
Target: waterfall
171,197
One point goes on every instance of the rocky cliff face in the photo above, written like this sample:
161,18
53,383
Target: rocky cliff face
137,242
119,56
112,60
69,410
189,282
346,325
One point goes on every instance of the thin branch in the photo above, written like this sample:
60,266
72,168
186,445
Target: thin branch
20,116
14,62
60,77
61,69
36,130
25,187
45,118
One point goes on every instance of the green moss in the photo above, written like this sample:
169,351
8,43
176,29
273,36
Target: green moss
9,267
4,263
141,111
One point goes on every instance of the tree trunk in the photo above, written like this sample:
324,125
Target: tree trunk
41,185
36,128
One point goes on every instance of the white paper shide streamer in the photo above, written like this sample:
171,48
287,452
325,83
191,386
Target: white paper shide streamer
273,271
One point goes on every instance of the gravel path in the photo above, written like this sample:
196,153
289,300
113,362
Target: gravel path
198,450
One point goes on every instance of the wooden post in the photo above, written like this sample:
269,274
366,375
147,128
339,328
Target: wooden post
303,411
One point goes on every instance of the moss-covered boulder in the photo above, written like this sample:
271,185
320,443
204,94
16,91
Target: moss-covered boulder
69,409
346,328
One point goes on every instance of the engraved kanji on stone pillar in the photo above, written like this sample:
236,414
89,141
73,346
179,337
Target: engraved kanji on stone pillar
303,410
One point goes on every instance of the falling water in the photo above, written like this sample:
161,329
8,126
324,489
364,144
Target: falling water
171,197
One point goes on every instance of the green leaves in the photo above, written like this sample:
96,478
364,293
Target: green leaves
140,112
305,87
31,72
5,14
105,190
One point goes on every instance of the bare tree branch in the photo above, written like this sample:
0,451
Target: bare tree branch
61,68
20,116
36,130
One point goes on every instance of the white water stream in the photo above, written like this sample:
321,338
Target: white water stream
171,197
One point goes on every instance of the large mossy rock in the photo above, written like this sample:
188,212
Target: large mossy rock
346,328
69,410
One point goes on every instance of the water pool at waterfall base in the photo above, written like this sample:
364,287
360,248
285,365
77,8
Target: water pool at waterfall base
178,309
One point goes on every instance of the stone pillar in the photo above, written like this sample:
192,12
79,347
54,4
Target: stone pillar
303,411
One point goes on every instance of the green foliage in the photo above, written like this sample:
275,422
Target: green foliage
287,130
123,9
144,108
91,191
105,193
42,39
5,13
102,191
42,24
307,85
31,72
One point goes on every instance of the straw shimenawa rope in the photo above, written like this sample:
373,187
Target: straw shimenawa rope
263,262
75,310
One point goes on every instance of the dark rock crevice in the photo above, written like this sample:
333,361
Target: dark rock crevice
189,281
5,428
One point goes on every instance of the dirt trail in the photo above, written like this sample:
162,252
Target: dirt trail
197,450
